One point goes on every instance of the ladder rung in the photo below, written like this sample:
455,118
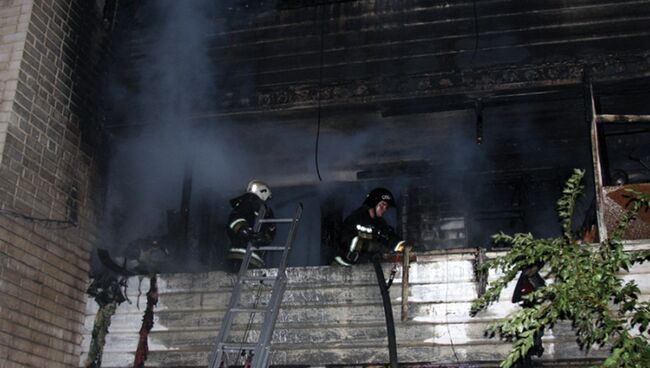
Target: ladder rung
248,310
258,278
279,220
268,248
236,347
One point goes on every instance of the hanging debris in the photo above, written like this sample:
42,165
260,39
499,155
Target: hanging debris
147,324
107,291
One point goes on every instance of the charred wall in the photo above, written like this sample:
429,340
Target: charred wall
468,109
271,55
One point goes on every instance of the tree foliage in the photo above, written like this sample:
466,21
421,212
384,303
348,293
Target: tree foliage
587,289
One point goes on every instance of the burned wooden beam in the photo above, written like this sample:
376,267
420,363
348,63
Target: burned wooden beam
456,88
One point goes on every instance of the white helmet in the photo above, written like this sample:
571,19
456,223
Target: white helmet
260,189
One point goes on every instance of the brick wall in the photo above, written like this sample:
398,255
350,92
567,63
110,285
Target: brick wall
48,65
14,17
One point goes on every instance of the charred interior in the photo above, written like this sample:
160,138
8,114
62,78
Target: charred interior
473,112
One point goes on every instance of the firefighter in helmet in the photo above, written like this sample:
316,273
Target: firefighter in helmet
365,232
245,211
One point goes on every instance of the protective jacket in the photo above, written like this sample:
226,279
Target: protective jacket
245,210
363,236
529,281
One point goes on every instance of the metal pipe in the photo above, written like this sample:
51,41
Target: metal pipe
595,155
610,118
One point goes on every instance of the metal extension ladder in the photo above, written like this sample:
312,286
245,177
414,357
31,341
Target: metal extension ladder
263,346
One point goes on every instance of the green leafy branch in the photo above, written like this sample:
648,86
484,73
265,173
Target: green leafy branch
587,289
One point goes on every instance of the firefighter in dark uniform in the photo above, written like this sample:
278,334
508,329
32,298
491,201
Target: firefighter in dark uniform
245,210
365,233
529,281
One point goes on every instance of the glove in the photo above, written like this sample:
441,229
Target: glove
400,246
246,232
384,234
251,235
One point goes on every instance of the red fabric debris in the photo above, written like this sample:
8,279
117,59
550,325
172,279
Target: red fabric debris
147,324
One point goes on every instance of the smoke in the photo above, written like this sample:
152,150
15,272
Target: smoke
179,73
171,81
175,76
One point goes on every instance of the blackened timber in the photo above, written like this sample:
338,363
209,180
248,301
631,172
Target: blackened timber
472,82
295,59
453,21
367,39
290,4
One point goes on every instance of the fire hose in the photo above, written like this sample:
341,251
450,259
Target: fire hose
388,312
